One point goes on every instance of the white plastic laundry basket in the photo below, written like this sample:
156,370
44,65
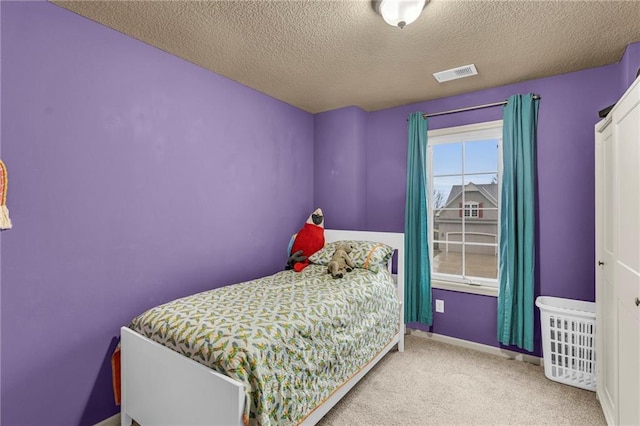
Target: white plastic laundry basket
568,341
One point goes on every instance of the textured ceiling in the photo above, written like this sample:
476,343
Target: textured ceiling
322,55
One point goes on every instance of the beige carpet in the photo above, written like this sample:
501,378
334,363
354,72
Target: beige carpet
437,383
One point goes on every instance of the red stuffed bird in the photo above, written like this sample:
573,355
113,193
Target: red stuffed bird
308,240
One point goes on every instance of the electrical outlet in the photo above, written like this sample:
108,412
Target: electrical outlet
440,306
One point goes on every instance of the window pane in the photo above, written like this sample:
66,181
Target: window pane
481,261
481,195
445,191
447,159
482,237
481,156
447,258
481,179
463,178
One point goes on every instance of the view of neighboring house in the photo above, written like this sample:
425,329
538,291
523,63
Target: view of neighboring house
478,211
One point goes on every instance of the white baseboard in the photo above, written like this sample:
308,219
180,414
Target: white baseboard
111,421
479,347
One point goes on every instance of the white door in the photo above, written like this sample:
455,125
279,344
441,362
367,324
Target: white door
606,298
626,121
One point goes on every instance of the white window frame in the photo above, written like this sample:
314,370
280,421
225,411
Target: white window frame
467,133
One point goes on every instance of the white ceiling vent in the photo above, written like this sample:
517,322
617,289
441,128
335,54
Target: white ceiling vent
455,73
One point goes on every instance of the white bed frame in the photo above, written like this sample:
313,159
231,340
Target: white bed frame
162,387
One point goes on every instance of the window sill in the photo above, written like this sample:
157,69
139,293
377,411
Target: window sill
465,288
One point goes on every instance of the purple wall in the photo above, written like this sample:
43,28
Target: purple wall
136,177
339,167
0,233
630,64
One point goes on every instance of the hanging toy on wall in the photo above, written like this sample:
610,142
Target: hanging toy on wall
5,222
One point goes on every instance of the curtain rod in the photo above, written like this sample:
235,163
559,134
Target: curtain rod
434,114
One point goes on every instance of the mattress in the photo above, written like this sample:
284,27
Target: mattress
291,338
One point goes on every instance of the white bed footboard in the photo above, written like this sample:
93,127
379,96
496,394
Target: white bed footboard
163,387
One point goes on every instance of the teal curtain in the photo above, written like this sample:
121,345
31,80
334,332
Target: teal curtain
517,222
416,235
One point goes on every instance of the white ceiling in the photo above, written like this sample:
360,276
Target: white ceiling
321,55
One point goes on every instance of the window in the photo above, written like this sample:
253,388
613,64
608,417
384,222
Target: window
465,172
471,209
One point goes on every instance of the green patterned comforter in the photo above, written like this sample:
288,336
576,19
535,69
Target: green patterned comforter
290,338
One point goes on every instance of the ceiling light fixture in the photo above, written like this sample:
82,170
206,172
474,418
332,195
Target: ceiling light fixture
399,13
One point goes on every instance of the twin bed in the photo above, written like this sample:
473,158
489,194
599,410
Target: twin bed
279,350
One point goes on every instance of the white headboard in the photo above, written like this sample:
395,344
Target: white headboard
393,239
